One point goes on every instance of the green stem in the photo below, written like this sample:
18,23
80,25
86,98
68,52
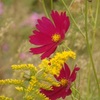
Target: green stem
88,46
95,23
72,96
71,3
97,11
72,18
43,3
51,4
91,14
88,81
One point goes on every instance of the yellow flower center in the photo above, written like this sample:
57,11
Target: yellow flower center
56,37
64,82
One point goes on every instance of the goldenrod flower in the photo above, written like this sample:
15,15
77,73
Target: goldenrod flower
24,66
33,82
11,81
5,98
28,97
54,65
41,95
66,78
19,88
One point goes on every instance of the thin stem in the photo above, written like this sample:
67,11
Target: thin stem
88,46
97,11
43,3
72,18
71,3
72,97
51,4
95,23
91,13
88,81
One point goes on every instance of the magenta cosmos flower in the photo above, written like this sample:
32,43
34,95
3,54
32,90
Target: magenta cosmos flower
49,34
65,78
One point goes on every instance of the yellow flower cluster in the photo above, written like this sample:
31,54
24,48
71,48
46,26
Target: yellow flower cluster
5,98
42,96
11,81
39,77
33,87
45,85
54,65
33,82
47,81
24,66
53,81
28,97
19,88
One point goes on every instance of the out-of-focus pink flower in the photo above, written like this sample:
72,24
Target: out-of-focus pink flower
1,8
32,19
5,47
24,56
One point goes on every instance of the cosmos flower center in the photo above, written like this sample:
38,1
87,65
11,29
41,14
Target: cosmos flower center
64,82
56,37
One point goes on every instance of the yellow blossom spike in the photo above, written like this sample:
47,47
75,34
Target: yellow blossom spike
28,97
11,81
52,81
24,67
45,85
19,88
33,82
42,96
5,98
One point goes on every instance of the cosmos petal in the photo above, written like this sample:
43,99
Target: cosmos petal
67,71
57,92
41,49
49,52
46,26
61,21
40,39
74,73
64,73
67,93
61,75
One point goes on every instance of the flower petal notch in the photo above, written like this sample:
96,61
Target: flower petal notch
65,78
49,34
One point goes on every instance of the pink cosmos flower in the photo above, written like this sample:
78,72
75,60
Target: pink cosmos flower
65,78
49,34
